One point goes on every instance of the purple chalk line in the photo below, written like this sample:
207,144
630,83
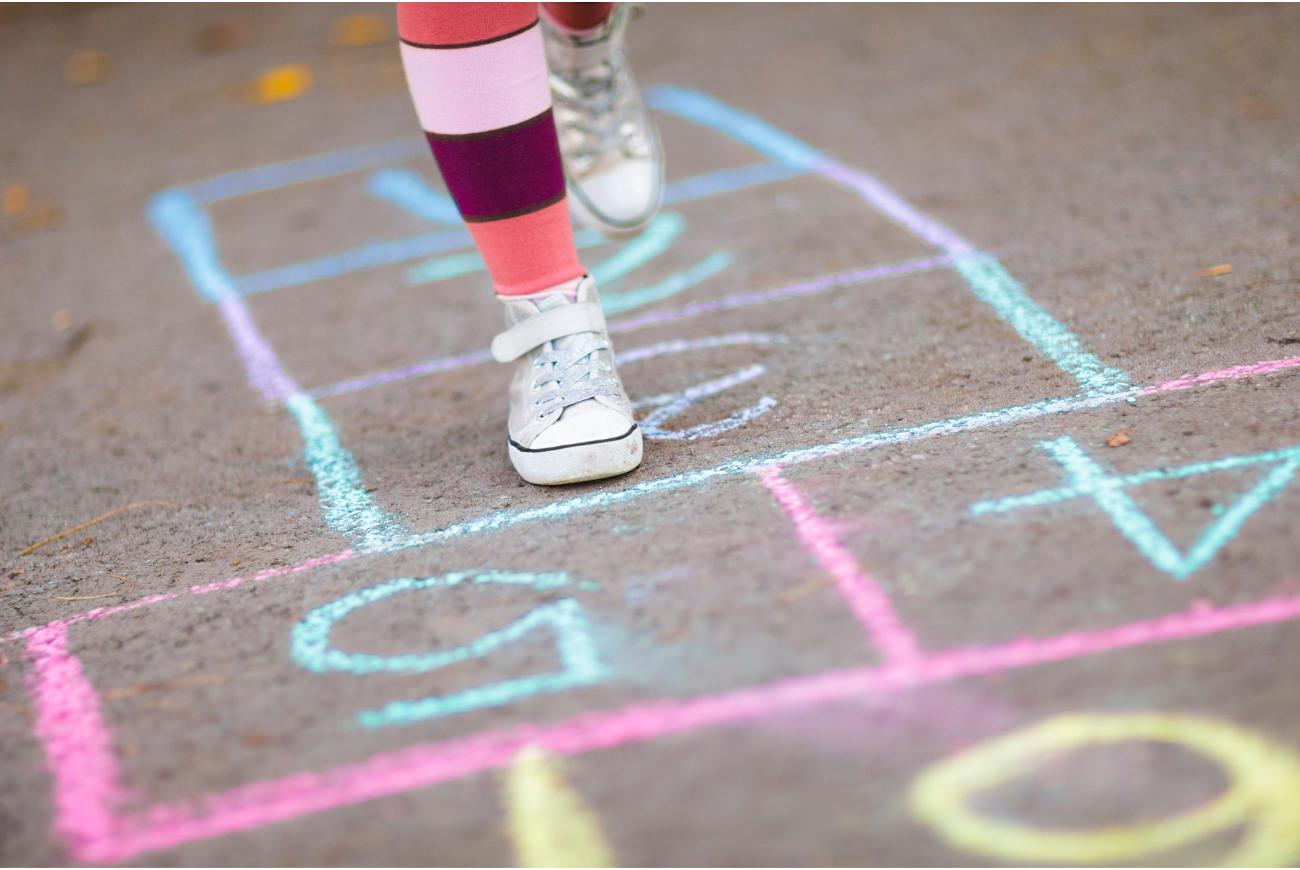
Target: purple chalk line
893,205
260,362
428,367
626,324
790,291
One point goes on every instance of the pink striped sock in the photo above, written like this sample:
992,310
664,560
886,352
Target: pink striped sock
477,74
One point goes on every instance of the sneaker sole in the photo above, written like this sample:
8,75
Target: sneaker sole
592,220
576,463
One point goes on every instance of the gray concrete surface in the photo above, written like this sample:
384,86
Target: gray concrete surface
1106,157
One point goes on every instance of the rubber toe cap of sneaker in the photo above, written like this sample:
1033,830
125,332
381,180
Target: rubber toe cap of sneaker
583,423
624,196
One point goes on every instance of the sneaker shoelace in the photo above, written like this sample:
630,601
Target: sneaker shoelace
571,370
598,112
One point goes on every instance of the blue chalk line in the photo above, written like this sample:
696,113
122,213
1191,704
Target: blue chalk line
317,167
407,190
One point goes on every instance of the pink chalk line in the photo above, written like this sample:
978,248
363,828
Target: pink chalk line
869,603
78,748
86,789
200,589
270,573
1260,368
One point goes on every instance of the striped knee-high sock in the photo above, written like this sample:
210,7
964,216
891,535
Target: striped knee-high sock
477,74
577,17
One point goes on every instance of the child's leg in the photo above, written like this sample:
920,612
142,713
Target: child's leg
612,154
477,74
576,17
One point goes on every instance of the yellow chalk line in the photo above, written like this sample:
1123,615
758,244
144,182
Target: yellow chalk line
548,821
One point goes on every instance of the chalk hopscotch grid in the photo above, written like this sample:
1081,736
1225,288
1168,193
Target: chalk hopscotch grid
348,508
71,728
179,217
64,697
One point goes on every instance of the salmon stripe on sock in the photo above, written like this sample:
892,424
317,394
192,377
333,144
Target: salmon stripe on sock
478,78
452,25
522,253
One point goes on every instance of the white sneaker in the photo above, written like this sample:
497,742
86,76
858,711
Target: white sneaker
613,160
570,419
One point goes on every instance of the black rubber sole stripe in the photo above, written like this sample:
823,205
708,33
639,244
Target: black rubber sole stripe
488,41
523,449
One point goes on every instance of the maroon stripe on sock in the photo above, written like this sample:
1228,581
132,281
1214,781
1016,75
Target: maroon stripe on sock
459,25
502,173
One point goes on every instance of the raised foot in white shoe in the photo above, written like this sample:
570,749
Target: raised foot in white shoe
613,159
570,418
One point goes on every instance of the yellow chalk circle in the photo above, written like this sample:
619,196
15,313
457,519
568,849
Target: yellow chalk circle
1263,795
282,83
549,823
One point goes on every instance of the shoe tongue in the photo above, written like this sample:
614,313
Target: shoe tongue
535,305
521,308
555,300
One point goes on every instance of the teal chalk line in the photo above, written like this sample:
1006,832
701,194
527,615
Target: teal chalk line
654,240
312,648
445,268
345,505
1044,497
617,302
687,480
994,286
986,277
1110,493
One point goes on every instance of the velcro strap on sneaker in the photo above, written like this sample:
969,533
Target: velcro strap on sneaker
547,326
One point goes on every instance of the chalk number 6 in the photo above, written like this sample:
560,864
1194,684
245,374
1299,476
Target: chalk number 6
312,648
